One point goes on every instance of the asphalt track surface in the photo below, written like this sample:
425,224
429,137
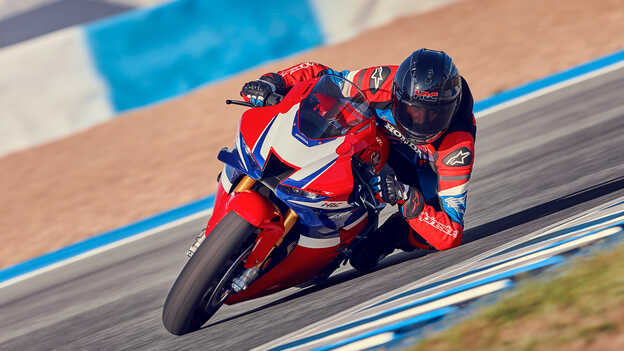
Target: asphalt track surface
537,163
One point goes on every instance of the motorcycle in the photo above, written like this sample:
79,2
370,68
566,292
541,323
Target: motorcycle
293,201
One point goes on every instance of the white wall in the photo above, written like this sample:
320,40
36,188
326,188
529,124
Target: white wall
344,19
48,89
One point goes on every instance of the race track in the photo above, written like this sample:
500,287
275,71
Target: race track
537,163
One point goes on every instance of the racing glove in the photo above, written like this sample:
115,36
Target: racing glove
391,191
258,90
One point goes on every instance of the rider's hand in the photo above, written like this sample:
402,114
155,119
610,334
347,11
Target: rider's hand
391,191
387,187
258,90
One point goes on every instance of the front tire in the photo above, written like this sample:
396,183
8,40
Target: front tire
192,299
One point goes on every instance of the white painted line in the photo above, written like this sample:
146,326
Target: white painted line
585,220
537,256
415,311
110,246
464,266
367,343
459,268
478,260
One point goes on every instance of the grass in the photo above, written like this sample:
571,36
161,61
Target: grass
580,309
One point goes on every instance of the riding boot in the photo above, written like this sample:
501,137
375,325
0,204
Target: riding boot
395,233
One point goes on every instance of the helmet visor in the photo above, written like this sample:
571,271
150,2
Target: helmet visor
424,122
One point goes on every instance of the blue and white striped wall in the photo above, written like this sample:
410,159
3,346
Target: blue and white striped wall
77,77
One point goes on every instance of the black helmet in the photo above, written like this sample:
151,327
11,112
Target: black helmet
426,93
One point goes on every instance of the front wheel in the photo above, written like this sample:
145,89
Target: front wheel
203,285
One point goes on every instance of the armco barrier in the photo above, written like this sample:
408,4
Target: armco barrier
72,79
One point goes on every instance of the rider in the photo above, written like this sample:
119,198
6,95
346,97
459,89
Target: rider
425,108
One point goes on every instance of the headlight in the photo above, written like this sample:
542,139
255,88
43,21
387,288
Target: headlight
295,192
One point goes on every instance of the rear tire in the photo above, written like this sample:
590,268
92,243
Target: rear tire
186,308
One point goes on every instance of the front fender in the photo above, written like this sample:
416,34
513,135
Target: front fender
252,207
262,214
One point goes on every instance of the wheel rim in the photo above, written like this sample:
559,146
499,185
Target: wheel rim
221,291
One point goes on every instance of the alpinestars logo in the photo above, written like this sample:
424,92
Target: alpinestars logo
397,133
458,158
377,78
446,229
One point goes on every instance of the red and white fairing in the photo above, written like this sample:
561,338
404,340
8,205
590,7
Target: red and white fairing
314,179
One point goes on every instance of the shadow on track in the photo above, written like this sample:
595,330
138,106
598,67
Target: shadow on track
333,280
543,210
470,235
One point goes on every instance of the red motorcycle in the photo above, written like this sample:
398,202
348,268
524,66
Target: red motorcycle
292,204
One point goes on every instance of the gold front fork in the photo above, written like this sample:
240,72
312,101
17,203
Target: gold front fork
245,184
289,219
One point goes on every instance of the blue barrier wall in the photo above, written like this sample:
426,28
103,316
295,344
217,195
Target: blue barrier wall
149,55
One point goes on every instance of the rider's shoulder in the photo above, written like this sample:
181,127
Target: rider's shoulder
375,82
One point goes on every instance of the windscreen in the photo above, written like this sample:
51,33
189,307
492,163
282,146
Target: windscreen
332,108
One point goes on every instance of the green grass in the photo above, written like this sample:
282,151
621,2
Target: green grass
582,308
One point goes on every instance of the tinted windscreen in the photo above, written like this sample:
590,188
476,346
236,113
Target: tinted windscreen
332,108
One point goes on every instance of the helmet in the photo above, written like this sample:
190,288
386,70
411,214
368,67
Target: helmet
426,92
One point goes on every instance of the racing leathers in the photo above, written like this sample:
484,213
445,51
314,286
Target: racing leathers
440,171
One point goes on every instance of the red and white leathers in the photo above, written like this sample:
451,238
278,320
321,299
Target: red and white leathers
440,170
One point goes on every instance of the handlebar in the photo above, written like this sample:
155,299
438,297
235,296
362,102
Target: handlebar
272,99
239,102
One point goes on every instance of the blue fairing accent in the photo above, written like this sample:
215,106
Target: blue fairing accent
231,158
253,170
258,147
319,222
455,207
231,173
386,115
303,182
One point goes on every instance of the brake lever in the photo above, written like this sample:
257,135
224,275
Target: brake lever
272,99
239,102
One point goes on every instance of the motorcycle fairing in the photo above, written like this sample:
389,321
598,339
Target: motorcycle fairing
228,177
308,160
311,161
